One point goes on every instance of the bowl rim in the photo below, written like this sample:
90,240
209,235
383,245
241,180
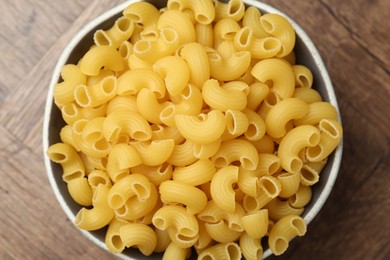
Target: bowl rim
324,194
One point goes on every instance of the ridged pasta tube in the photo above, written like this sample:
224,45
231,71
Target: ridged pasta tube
221,188
221,251
203,9
121,158
99,57
140,236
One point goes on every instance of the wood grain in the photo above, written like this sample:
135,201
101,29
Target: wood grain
353,39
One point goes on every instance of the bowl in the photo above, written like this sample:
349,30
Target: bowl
306,54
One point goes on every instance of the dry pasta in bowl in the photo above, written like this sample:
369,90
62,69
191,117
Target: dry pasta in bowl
192,128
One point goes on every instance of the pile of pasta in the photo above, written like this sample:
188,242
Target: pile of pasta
193,127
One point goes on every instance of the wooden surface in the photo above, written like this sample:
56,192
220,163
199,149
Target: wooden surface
353,39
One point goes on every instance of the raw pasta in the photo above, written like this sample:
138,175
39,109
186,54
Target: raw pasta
193,126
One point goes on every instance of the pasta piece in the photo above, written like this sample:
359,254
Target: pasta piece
67,156
140,236
236,124
204,34
160,132
233,9
260,48
134,62
256,126
303,76
80,191
195,174
257,93
250,247
146,15
283,231
182,154
317,112
269,188
231,68
97,95
286,110
149,107
301,198
98,163
139,206
175,252
264,145
118,33
183,228
293,142
154,153
205,151
175,71
221,233
221,188
98,177
127,122
155,174
255,223
251,19
151,50
134,80
100,215
127,187
220,98
113,240
198,62
279,27
290,184
308,95
101,56
236,150
173,192
204,238
279,73
331,134
278,209
63,91
221,251
126,49
163,240
269,164
180,23
247,182
224,30
203,129
123,104
121,158
203,10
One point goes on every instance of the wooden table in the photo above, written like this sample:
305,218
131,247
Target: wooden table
353,39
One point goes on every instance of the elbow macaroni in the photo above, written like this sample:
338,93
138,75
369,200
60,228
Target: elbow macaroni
193,125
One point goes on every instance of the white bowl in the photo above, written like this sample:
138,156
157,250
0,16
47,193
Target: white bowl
306,54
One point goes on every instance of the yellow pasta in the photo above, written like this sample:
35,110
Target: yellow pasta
100,215
221,233
237,123
221,189
233,9
293,142
196,57
280,114
127,122
229,68
236,150
113,240
203,9
204,238
134,80
283,231
180,23
176,192
256,126
163,240
118,33
140,236
290,184
257,93
67,156
122,103
278,72
175,252
308,95
202,129
63,92
303,76
204,34
98,177
205,151
221,251
301,198
195,174
182,154
255,223
175,71
260,48
225,30
93,96
331,134
121,158
279,27
317,112
250,247
101,56
251,19
80,191
155,174
278,209
144,14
